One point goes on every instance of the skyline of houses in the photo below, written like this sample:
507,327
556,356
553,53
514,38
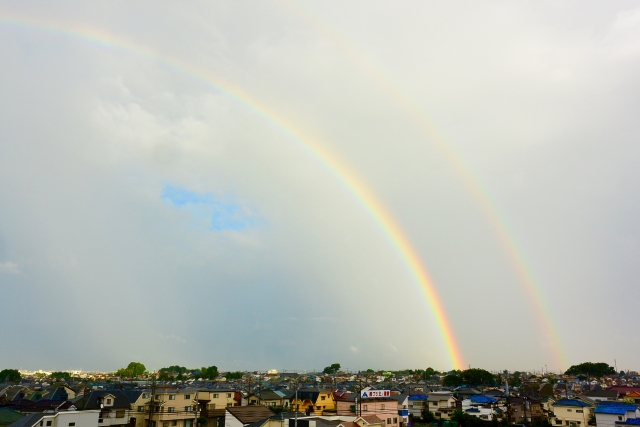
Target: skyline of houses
270,398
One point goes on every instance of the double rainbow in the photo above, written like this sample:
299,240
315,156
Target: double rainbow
331,161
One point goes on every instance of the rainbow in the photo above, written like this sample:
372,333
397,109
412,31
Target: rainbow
497,220
331,161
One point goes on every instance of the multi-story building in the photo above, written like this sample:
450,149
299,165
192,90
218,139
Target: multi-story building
171,408
384,408
213,403
571,412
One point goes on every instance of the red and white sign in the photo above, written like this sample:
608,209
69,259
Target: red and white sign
375,393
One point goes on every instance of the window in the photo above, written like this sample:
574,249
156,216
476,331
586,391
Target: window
382,406
172,397
215,395
48,423
119,414
580,411
108,401
388,420
140,408
72,424
438,414
165,424
569,410
171,409
395,420
100,421
317,408
187,396
174,423
364,407
619,418
40,422
145,395
229,404
228,395
187,408
157,397
434,403
322,397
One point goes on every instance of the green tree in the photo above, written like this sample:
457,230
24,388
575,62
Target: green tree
542,422
592,369
452,380
466,420
210,373
334,368
66,376
171,372
234,375
515,380
427,416
10,375
475,377
133,370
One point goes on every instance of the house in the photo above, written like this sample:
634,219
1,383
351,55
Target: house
213,404
171,408
633,397
9,416
385,408
525,409
481,406
137,399
571,412
13,392
112,405
602,395
364,421
608,414
60,419
61,392
268,398
403,408
240,416
313,401
441,404
416,404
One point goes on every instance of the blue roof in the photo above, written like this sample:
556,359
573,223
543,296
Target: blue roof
616,408
632,421
481,398
570,402
472,410
418,397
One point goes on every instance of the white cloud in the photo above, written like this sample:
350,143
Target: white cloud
9,267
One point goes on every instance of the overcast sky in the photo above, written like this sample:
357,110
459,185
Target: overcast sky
149,215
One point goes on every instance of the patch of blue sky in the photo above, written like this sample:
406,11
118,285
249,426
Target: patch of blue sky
220,214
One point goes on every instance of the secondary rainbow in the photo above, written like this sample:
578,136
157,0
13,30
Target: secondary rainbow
334,164
498,222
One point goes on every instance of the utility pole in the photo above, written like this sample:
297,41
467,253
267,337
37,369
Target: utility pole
153,398
506,381
195,420
295,423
